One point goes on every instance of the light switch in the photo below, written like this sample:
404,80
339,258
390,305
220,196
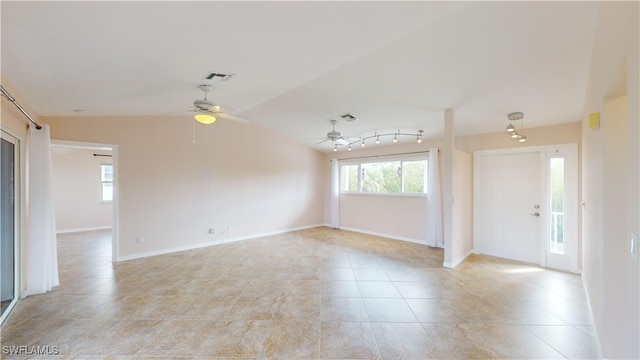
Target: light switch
634,244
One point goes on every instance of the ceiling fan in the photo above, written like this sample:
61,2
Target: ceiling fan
335,137
207,111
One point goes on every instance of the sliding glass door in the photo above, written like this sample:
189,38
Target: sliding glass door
9,185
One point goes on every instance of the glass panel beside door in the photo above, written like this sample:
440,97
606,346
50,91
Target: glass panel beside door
8,223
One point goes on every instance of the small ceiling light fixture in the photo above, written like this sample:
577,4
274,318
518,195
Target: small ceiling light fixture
205,117
335,147
377,138
511,129
349,147
419,136
395,138
362,143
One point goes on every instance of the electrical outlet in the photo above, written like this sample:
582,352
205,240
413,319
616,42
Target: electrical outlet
139,239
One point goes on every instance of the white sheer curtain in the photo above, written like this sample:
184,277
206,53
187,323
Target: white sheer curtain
434,202
335,193
42,255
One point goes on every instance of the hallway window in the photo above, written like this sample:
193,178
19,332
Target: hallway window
106,178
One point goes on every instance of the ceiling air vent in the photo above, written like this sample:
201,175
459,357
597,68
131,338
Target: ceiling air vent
349,117
218,76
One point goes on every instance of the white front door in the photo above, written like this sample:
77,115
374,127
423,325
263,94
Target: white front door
526,205
510,197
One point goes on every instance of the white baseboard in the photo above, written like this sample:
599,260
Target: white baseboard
457,261
210,243
389,236
93,228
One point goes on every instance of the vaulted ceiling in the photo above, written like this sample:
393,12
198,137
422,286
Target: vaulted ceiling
296,65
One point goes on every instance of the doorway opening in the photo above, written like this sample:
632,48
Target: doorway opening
85,189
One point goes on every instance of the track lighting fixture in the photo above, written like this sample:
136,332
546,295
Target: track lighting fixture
376,136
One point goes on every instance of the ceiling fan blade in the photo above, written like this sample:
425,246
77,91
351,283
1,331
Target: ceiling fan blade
342,141
351,138
233,117
323,141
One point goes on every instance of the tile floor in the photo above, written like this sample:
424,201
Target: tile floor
318,294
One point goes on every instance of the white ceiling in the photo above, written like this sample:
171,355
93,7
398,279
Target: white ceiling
394,65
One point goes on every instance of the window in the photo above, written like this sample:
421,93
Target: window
106,179
385,177
557,205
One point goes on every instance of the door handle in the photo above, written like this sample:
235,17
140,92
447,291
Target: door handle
536,214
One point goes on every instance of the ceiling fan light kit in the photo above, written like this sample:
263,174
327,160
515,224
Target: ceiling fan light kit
206,111
511,129
204,117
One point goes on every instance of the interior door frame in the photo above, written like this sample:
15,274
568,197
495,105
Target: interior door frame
570,153
114,151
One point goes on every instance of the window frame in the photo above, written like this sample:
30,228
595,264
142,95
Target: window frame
384,159
103,182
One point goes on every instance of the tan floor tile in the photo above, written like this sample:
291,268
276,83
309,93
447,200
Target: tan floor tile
348,340
508,342
389,310
340,289
343,309
338,273
302,309
253,308
293,339
178,338
237,339
569,341
378,289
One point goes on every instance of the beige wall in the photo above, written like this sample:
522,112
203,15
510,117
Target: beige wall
611,163
77,189
241,180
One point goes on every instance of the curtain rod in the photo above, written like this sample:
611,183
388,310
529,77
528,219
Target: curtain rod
103,155
377,156
6,94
